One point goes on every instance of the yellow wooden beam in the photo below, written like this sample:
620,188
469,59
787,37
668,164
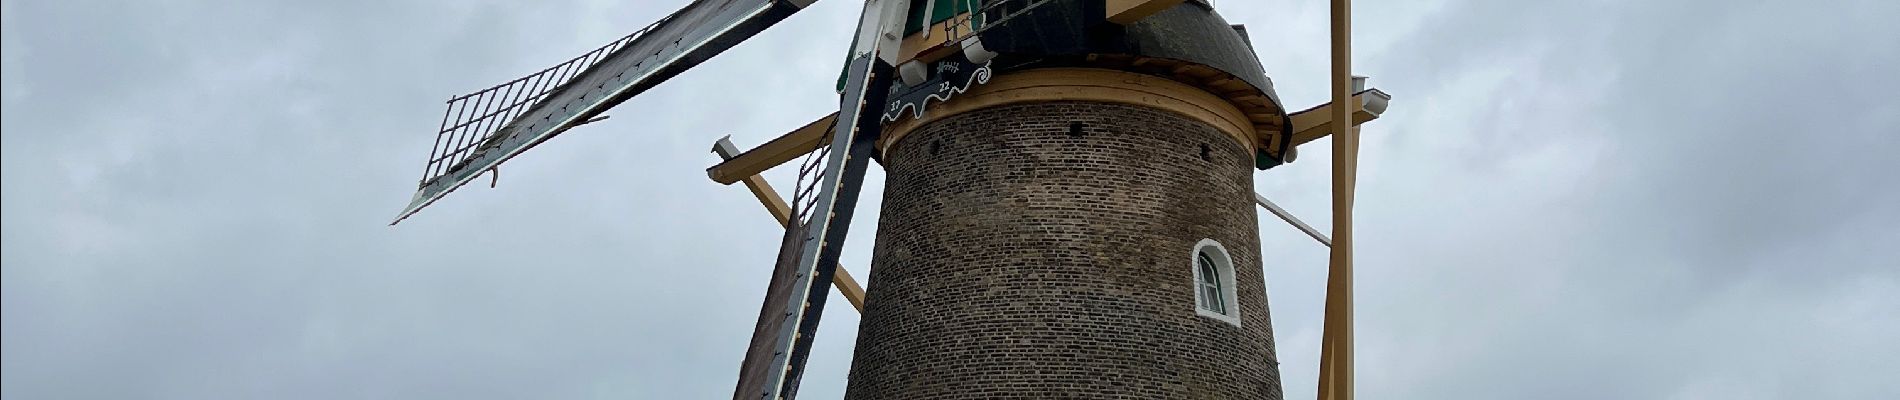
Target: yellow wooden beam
1317,122
1129,11
1336,350
800,141
853,292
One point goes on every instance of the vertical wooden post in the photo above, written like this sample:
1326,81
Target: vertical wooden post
1336,353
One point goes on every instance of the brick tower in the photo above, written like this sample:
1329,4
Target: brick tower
1082,225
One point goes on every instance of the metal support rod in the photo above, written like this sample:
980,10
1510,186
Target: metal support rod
1336,351
1290,219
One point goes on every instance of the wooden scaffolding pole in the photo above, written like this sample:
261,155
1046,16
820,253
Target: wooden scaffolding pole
1336,352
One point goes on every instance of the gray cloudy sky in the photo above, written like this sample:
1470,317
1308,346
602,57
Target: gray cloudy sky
1601,199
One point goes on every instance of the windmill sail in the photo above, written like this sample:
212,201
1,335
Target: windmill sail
821,235
754,371
481,130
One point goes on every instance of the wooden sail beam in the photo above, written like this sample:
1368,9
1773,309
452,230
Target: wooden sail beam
1317,122
853,292
798,142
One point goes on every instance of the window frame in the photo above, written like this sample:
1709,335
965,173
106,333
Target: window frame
1223,284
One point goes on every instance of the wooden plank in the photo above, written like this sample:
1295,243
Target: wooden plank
797,143
1187,70
1130,11
1314,123
1231,84
1204,72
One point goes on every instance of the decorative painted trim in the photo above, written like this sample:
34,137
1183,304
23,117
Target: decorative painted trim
1087,84
940,87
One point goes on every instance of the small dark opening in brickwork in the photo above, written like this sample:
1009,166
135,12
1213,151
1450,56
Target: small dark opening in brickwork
936,147
1207,153
1075,129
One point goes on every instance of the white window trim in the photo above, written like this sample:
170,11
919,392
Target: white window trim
1224,264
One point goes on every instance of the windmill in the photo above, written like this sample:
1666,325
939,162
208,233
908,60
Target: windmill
1047,161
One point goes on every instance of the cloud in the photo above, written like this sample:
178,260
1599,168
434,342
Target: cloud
1598,199
1607,200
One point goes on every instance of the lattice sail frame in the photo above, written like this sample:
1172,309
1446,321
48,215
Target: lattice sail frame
481,130
471,120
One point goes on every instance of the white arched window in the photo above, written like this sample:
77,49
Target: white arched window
1214,282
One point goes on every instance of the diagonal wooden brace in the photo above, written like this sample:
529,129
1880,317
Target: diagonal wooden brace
781,211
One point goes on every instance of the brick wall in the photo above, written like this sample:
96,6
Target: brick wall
1043,251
